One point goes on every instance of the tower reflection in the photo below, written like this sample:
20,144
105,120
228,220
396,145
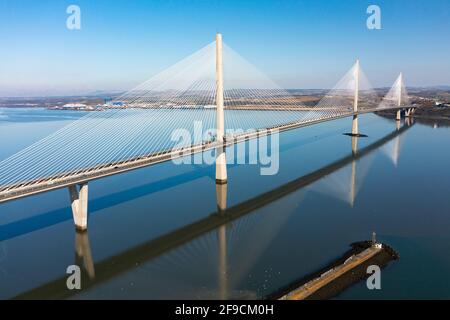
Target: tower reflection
83,254
221,195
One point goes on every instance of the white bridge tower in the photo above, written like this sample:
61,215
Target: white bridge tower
221,164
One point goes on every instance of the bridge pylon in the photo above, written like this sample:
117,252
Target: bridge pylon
399,102
221,164
355,101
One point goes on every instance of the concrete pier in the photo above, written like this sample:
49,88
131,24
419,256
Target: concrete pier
221,164
79,203
409,112
331,275
355,126
221,197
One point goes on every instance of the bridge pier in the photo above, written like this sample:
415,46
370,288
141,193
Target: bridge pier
221,166
355,126
79,203
221,197
399,117
409,112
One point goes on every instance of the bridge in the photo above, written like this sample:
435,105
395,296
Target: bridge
233,98
220,221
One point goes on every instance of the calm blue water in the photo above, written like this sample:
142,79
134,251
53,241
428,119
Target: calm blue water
134,247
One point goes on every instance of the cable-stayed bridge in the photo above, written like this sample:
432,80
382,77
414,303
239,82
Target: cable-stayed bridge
215,91
215,228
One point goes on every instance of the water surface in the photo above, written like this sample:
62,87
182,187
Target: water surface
145,240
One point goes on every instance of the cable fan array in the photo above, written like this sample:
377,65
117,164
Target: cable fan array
182,97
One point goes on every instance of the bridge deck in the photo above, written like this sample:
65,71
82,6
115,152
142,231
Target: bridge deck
44,184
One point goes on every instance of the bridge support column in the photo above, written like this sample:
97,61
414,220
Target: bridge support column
79,202
221,163
221,166
398,118
221,197
355,125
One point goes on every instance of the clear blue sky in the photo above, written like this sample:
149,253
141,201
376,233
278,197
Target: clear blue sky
304,44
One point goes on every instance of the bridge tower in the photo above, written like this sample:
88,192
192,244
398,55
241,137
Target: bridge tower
221,170
355,102
399,102
221,165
